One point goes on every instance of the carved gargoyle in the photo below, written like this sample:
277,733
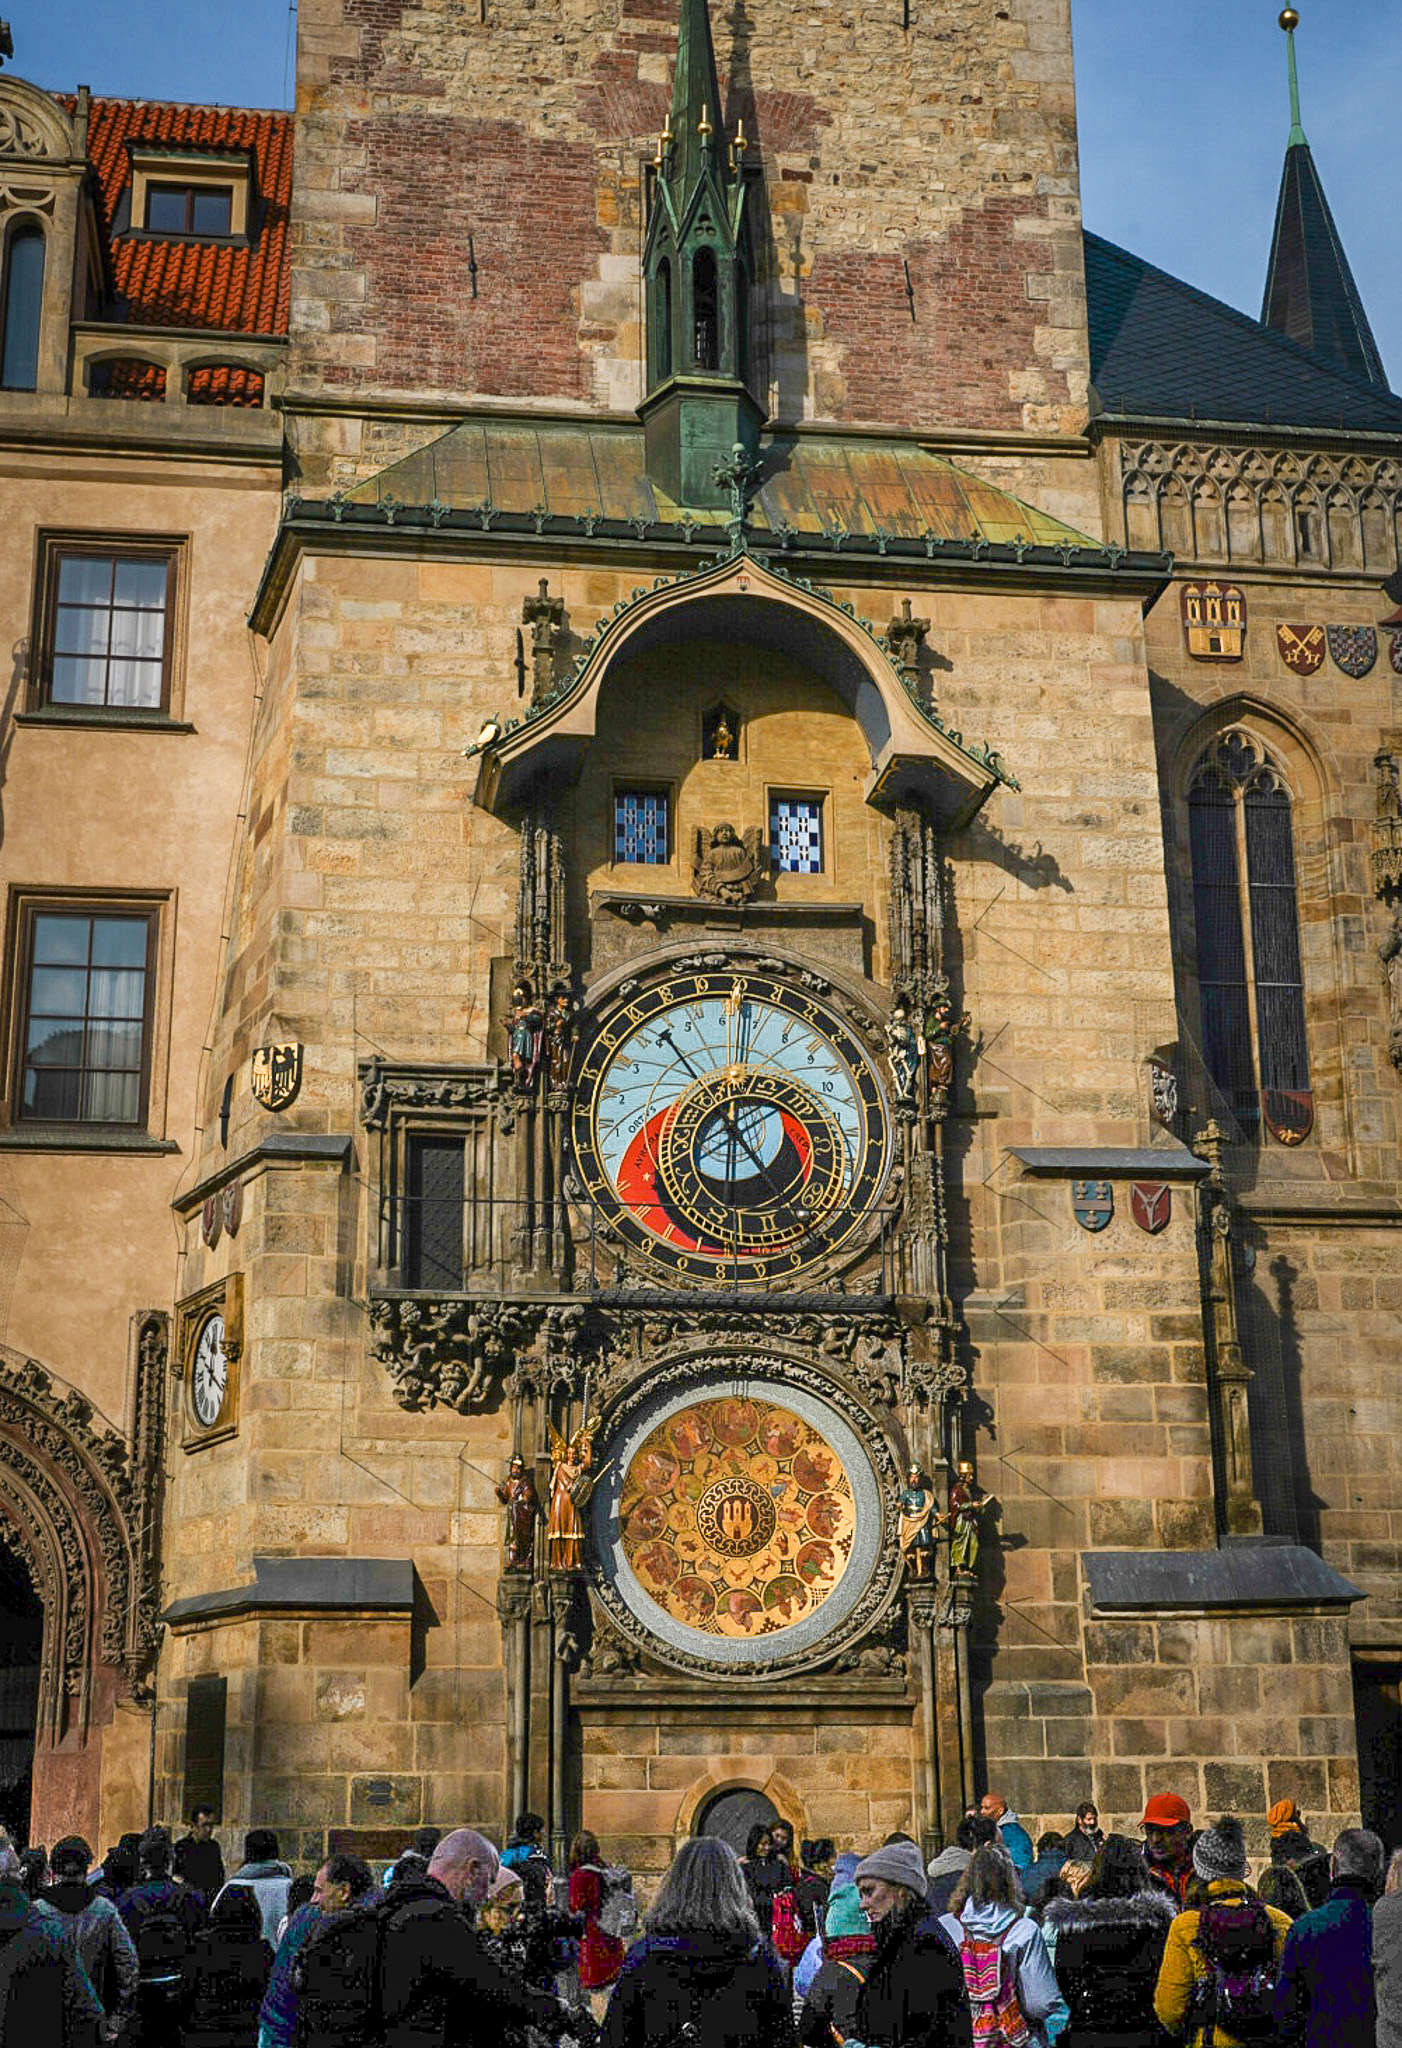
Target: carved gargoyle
728,867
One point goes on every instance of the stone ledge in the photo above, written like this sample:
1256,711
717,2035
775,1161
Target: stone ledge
1111,1162
305,1585
1247,1575
279,1148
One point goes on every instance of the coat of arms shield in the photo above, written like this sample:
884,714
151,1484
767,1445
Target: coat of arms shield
1354,648
232,1203
1394,653
1150,1204
1289,1113
1092,1203
1301,647
275,1074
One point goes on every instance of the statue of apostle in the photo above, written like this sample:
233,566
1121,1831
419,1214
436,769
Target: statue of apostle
968,1503
917,1538
518,1496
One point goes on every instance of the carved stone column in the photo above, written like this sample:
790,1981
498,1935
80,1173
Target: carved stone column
956,1717
564,1595
514,1607
1230,1374
922,1601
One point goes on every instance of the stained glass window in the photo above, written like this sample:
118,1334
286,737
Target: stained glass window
1250,978
796,834
640,827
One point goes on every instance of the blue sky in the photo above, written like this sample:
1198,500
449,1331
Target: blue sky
1184,114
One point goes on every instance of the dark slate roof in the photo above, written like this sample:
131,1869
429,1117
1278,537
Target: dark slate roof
1310,292
1161,350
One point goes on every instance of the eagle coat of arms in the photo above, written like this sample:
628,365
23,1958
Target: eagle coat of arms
275,1074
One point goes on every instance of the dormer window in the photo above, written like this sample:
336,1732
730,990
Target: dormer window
180,193
189,209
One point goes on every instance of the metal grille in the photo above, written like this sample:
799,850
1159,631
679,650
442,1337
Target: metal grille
433,1236
796,834
640,827
205,1709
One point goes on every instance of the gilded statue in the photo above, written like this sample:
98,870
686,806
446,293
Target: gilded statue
968,1504
571,1483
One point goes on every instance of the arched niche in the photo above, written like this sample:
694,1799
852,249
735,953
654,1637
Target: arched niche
742,603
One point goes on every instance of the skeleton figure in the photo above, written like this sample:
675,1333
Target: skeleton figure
902,1054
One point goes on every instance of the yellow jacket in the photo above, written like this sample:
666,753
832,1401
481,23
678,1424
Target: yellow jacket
1183,1968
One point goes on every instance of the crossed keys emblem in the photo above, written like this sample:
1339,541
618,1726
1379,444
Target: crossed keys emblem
1301,647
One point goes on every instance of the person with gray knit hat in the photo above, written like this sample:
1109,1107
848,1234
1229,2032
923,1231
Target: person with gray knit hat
913,1996
1231,1910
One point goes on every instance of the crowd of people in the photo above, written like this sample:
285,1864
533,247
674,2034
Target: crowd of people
1084,1939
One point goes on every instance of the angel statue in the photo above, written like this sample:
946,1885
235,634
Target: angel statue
571,1483
727,868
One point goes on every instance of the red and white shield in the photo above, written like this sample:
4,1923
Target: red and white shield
1150,1204
212,1221
232,1206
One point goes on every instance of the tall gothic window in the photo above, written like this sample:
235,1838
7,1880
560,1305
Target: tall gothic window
24,295
1248,938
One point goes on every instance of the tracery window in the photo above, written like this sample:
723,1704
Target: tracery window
1248,938
23,308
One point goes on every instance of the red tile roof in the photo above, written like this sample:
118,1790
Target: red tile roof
234,288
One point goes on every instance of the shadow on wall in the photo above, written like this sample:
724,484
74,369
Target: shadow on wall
1270,1337
780,334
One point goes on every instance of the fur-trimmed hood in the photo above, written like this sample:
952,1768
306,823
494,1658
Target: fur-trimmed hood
1149,1912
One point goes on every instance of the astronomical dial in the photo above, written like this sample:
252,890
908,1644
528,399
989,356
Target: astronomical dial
209,1372
731,1128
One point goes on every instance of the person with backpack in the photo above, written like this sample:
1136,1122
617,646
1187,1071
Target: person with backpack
1106,1948
523,1854
406,1969
162,1916
813,1881
829,2014
46,2000
1011,1986
1292,1849
703,1971
945,1870
105,1949
1216,1985
1324,1991
225,1975
913,1994
267,1877
592,1886
339,1884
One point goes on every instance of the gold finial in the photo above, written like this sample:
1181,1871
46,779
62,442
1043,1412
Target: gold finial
1289,19
704,125
667,130
740,142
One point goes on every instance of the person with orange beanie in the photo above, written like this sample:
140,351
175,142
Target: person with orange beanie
1292,1847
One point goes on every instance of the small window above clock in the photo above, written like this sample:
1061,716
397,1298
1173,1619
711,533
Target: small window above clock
208,198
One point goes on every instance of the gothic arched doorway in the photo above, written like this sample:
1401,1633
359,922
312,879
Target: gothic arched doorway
21,1659
733,1812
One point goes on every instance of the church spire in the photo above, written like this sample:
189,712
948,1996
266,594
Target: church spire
698,269
698,137
1310,292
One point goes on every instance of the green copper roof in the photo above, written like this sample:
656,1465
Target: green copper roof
865,489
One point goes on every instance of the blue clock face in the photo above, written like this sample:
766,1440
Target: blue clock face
730,1127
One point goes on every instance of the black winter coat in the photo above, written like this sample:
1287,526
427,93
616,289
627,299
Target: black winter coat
1107,1956
221,1988
440,1989
46,2000
1309,1862
732,1992
914,1993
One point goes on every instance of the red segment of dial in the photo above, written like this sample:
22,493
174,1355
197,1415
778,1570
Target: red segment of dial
637,1185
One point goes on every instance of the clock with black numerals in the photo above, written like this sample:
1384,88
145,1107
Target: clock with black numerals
730,1126
209,1372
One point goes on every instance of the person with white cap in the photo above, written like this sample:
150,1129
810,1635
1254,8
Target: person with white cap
913,1996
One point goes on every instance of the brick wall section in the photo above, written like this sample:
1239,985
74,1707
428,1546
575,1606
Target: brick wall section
950,146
